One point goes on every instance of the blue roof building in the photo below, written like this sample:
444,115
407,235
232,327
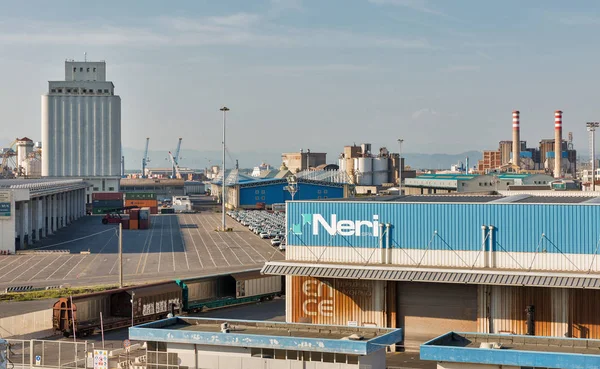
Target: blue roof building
237,344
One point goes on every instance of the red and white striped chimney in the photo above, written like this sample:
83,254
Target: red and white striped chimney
516,138
557,143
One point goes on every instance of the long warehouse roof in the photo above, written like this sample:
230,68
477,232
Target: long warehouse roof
383,273
481,198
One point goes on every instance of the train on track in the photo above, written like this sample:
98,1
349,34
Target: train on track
123,307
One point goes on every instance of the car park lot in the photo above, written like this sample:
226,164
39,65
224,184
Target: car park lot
175,246
266,225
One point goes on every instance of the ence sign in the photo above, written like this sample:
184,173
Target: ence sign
344,227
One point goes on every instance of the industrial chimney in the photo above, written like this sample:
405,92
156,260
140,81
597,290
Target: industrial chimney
516,144
557,143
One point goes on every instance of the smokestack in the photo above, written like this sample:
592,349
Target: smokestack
516,144
557,143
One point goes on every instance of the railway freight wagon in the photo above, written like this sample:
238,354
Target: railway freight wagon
150,302
222,290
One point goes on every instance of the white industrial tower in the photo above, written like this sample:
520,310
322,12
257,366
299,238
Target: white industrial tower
81,127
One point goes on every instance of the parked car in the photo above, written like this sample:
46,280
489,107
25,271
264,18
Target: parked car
264,235
275,242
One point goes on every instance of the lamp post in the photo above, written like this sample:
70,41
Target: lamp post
132,310
223,195
292,186
400,166
591,127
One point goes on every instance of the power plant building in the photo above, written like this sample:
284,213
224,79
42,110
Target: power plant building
81,127
532,160
435,264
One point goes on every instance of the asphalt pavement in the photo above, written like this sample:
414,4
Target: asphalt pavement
175,246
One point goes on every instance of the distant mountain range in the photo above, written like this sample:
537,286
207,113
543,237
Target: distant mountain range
247,159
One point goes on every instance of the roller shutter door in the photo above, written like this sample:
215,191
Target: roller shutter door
427,310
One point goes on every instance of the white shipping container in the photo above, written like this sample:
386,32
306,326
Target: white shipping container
202,290
261,286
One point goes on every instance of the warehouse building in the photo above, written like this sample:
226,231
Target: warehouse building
434,264
426,184
244,191
31,209
236,344
164,188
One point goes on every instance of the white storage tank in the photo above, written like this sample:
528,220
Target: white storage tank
380,171
32,167
342,164
364,171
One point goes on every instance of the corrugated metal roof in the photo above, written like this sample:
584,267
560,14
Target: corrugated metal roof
553,200
504,278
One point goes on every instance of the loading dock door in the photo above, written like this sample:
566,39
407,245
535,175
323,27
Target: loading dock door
427,310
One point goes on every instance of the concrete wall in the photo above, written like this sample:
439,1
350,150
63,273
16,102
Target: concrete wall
225,357
27,326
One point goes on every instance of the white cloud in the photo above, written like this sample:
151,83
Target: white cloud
425,111
241,29
418,5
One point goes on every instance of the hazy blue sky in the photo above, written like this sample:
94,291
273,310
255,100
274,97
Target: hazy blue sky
443,75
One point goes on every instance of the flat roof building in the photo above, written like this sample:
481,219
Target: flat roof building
236,344
484,351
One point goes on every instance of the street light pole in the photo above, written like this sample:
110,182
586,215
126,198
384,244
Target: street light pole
223,193
591,127
400,166
132,310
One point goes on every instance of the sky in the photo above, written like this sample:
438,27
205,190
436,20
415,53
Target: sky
442,75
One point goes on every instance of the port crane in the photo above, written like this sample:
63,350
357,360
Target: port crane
7,155
145,159
175,161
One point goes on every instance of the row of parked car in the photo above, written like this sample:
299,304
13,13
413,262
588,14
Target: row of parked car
267,225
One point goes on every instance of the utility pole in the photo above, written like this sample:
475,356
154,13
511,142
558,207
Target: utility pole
120,255
223,192
591,127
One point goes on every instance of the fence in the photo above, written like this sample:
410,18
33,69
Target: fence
49,354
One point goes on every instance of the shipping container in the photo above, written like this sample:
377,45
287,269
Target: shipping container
125,223
145,214
134,224
141,203
254,283
153,210
336,301
104,211
140,196
115,204
107,196
167,211
134,214
144,223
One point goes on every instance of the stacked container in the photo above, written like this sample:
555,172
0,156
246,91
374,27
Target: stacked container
106,201
144,218
142,200
134,218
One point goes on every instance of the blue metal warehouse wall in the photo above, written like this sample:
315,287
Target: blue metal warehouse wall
274,193
519,227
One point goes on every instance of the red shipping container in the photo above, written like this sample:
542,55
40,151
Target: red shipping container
134,214
107,196
144,223
125,223
153,210
133,224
